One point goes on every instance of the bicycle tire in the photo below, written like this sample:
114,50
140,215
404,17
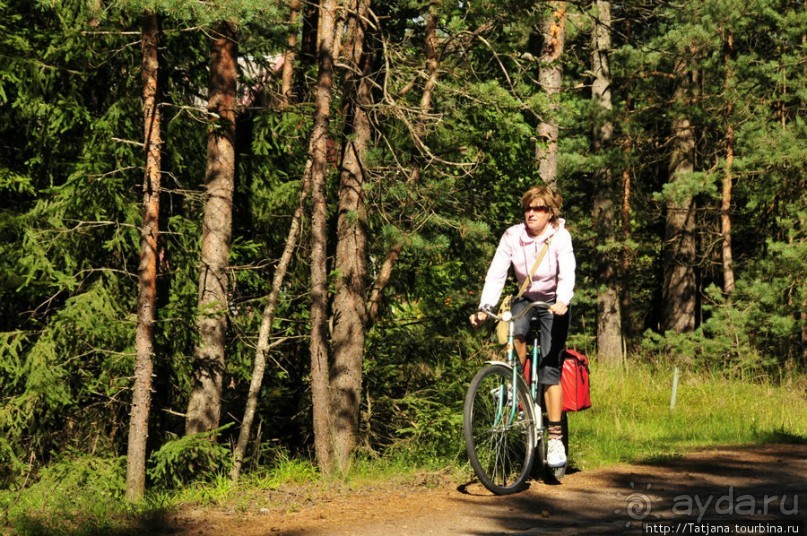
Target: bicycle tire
501,450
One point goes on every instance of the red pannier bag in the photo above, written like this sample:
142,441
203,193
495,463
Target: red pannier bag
574,378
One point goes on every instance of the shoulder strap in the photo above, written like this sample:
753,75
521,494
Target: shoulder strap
525,285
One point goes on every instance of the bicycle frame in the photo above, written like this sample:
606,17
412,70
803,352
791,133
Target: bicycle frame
536,349
511,363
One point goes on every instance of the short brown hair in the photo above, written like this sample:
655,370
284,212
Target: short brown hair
550,197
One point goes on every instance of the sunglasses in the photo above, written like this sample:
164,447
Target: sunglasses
536,209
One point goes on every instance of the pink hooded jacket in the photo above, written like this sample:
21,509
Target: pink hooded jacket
554,278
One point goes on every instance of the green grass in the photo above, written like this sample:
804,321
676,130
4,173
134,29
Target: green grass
631,419
79,504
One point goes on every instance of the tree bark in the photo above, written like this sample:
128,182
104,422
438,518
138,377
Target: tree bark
318,154
309,47
679,290
626,253
287,77
147,270
550,77
432,64
381,282
204,407
604,217
259,366
725,214
725,203
349,313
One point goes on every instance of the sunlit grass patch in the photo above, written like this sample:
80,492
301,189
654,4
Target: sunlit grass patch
632,420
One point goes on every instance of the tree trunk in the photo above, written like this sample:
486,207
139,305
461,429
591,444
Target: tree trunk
309,46
381,282
147,271
287,77
679,298
204,407
349,313
604,218
259,366
550,77
626,253
432,64
433,75
318,154
339,34
725,215
725,204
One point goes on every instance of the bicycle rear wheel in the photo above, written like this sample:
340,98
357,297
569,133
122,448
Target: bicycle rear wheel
499,429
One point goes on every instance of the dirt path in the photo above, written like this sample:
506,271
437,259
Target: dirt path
713,490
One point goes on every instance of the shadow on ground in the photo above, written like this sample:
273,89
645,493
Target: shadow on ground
730,486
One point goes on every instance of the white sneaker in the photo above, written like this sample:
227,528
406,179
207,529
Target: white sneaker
556,454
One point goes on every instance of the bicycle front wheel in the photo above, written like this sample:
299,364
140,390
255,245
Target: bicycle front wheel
498,425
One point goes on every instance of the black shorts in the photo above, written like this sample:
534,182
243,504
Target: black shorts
553,333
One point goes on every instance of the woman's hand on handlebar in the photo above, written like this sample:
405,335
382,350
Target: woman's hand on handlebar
558,308
477,318
480,316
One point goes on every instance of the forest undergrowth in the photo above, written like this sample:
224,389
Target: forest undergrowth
631,421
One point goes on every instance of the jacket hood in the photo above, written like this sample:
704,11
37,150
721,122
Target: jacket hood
548,233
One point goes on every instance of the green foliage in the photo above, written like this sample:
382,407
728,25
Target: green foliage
63,373
70,209
78,493
101,477
191,11
191,458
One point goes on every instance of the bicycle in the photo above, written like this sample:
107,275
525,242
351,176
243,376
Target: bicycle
503,423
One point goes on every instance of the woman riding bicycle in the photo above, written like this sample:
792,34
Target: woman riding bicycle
552,282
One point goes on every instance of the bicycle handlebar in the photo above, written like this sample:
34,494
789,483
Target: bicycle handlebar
507,316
